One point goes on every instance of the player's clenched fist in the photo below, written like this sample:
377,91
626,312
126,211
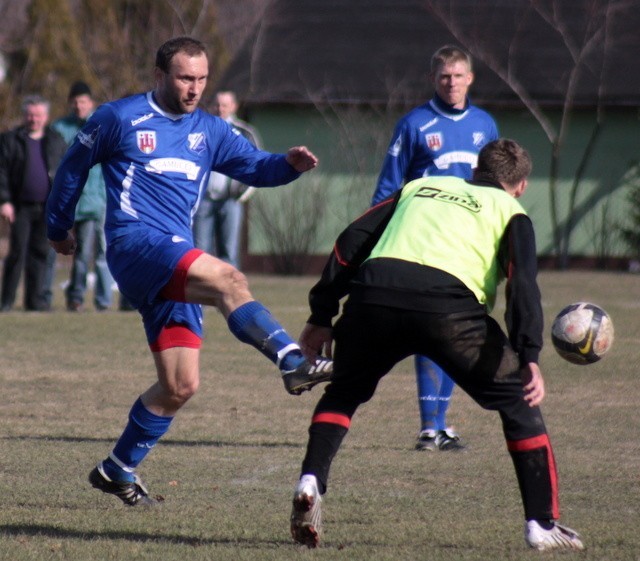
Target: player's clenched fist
65,247
301,159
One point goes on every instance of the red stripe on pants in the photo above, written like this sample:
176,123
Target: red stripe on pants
535,443
332,418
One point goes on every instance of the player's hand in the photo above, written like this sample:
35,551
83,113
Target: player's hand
65,247
315,340
533,384
301,159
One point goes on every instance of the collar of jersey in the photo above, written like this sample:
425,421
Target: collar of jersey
448,111
156,107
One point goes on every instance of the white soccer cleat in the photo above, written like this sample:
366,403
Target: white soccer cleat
559,537
306,515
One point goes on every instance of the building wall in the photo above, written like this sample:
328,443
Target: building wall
352,142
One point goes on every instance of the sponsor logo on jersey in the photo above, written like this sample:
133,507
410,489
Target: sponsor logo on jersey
141,119
396,147
466,201
174,165
146,141
460,157
177,239
88,139
478,138
434,140
197,142
429,124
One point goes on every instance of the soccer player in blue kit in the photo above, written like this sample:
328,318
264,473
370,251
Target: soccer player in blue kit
441,137
157,150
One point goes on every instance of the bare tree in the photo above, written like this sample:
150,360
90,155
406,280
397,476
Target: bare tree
295,223
109,44
290,221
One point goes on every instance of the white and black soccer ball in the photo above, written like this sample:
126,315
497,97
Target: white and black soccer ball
582,333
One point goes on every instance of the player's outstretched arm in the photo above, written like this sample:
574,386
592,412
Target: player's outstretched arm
316,341
301,159
534,384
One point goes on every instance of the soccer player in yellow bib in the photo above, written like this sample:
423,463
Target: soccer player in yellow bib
421,271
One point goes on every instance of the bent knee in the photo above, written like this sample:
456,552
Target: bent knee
235,281
180,393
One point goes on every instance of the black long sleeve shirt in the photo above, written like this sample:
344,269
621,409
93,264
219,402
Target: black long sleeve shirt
406,285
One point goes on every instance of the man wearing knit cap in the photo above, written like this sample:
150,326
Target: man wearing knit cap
89,224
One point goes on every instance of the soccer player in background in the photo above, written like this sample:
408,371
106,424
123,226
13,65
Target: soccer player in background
408,296
157,150
441,137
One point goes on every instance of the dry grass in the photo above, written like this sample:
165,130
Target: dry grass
228,466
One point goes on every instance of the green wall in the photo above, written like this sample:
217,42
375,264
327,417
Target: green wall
351,143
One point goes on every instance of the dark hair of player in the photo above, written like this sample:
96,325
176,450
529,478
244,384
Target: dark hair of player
187,45
503,161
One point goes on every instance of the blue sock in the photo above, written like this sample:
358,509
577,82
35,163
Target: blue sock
253,324
444,398
140,435
429,379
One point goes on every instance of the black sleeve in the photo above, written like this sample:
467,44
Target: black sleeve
523,317
352,247
5,172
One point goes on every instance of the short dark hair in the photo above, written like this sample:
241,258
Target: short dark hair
79,88
503,161
187,45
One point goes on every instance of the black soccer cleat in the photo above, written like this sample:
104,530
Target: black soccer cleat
131,493
307,375
448,441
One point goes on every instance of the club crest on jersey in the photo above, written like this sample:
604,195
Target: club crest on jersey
478,138
434,140
197,142
146,141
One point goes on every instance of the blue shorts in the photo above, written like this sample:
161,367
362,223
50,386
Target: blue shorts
142,263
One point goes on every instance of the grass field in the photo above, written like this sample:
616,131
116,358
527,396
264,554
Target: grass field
228,466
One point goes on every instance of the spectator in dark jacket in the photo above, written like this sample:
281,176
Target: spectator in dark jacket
29,157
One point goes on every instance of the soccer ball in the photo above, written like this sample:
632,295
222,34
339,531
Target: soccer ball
582,333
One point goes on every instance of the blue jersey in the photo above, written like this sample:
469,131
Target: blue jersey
155,165
434,140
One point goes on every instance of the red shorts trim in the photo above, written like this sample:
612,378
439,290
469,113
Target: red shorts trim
175,335
176,288
332,418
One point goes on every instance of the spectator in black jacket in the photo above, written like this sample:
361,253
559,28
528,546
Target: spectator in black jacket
29,157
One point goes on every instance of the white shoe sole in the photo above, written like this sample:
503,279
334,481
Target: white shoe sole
306,519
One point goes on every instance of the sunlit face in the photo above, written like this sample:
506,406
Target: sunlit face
451,82
225,105
36,117
180,90
82,106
